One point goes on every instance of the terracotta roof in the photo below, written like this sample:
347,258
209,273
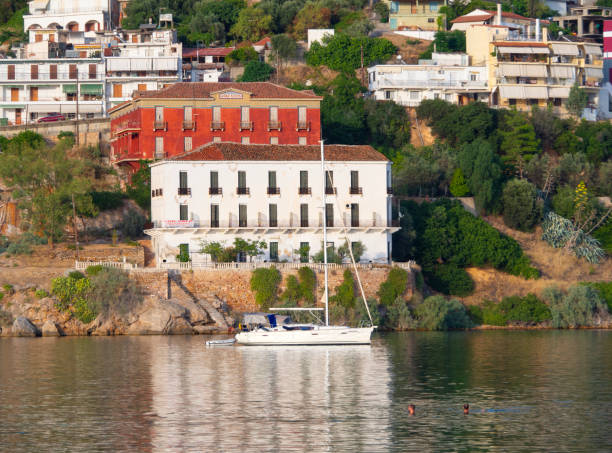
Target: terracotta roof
207,52
263,41
237,151
258,90
478,18
520,44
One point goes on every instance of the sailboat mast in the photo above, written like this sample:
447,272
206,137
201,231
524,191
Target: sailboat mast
324,198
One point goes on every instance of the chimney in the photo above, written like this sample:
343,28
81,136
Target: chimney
537,30
150,20
498,18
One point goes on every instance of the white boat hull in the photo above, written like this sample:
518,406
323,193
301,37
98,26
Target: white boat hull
319,335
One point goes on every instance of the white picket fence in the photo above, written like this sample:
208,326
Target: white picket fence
82,265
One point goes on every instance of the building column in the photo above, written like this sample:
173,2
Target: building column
580,26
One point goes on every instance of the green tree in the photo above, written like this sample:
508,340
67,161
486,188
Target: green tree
437,313
393,287
519,143
252,24
458,185
577,100
242,55
382,9
256,71
480,165
388,123
139,188
522,210
345,292
264,282
312,15
283,49
250,248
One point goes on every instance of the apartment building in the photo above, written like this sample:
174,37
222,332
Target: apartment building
446,76
271,193
487,17
414,14
72,15
527,70
185,116
585,21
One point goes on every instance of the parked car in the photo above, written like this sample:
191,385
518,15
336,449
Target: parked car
51,118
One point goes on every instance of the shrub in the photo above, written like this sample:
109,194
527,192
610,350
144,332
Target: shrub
581,306
605,291
112,292
450,279
107,200
557,231
437,313
522,210
76,275
604,235
357,248
528,309
265,284
291,296
492,314
1,295
399,315
133,224
393,287
382,9
256,71
6,319
23,245
94,270
308,284
41,293
475,313
242,55
71,293
8,288
345,292
458,185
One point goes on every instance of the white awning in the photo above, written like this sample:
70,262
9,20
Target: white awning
595,73
118,64
43,108
558,92
521,70
83,108
141,64
565,49
523,92
562,72
165,64
593,49
523,50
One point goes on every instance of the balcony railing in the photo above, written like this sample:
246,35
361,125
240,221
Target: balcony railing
160,155
127,126
304,191
356,191
355,223
217,126
303,126
184,190
160,125
330,191
243,191
188,125
376,222
273,223
215,191
246,125
274,125
273,190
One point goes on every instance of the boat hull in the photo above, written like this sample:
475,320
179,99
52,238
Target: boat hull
318,336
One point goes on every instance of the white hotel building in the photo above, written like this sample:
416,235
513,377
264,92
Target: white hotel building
271,193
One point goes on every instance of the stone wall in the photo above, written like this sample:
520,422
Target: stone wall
63,257
91,132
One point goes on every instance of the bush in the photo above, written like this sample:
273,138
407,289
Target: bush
264,282
437,313
41,293
522,210
582,306
133,224
76,275
112,292
107,200
605,291
557,231
345,292
450,280
8,288
308,284
399,316
1,295
71,294
291,296
382,9
94,270
393,287
242,55
604,235
475,313
23,245
528,309
6,319
67,136
256,71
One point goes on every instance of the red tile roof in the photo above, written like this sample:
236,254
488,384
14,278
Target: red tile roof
258,90
475,18
263,41
237,151
207,52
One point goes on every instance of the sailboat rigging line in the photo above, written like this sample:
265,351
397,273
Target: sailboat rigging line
324,199
345,231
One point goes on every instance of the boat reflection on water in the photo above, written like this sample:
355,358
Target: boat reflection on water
300,398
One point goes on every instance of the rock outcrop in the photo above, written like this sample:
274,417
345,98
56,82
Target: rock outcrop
22,327
49,329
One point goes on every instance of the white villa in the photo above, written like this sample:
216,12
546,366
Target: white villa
446,76
271,193
73,15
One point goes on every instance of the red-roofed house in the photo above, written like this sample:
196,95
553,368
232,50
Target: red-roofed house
184,116
486,17
271,193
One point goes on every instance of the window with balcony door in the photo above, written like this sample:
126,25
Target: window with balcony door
188,118
302,119
214,216
73,72
183,186
329,183
217,124
117,90
273,189
304,189
354,215
34,72
273,123
242,187
355,189
14,94
272,216
10,72
93,71
214,183
53,72
245,122
183,212
159,147
187,144
329,215
159,118
303,215
242,215
33,93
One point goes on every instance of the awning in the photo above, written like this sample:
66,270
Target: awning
12,106
562,72
523,50
165,64
523,92
595,73
83,108
95,89
558,92
565,49
593,49
521,70
13,86
43,108
69,88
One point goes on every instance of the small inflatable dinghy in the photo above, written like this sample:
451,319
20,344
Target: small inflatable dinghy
226,342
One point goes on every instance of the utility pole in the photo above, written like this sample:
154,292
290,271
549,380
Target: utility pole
77,107
362,74
74,227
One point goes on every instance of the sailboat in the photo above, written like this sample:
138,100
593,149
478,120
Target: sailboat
312,334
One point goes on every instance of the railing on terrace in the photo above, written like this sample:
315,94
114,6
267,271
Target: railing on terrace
83,265
84,77
406,83
251,224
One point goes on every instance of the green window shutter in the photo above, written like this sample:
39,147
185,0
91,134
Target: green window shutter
95,89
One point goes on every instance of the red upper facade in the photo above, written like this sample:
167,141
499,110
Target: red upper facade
184,116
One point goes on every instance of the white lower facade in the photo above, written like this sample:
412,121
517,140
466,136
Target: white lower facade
166,242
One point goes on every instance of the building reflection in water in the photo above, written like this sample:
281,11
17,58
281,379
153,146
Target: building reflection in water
271,398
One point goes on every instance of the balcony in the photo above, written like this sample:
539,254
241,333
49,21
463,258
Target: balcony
273,190
354,223
215,191
330,191
188,125
184,191
356,191
304,223
127,126
160,125
274,126
243,191
304,191
303,126
217,126
160,155
246,125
